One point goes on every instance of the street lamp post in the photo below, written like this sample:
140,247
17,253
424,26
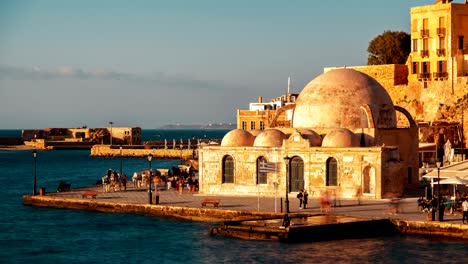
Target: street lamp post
438,188
111,123
121,175
34,171
286,161
150,157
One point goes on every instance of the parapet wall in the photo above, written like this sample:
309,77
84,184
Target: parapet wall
388,75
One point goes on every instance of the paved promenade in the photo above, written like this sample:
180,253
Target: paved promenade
371,209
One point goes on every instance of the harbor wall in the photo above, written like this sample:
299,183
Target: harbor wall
108,151
360,229
187,213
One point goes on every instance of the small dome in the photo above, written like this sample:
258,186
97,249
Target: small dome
340,138
255,132
270,138
237,138
314,138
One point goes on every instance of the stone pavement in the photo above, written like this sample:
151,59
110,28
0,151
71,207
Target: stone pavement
369,209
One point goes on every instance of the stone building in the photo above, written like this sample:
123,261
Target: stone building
262,115
343,138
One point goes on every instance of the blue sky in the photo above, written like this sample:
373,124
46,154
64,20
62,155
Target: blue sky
151,63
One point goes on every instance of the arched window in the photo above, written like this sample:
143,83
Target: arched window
332,172
262,169
296,179
228,169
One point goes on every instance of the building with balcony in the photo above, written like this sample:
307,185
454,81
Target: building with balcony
439,51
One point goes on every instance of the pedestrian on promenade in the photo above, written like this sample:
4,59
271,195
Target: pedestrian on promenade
300,196
305,199
465,210
135,180
324,202
124,181
286,222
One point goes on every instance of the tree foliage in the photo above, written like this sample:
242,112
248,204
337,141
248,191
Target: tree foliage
391,47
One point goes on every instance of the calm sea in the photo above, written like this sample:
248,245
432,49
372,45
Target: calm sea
45,235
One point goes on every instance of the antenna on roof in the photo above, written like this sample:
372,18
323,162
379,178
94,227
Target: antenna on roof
289,84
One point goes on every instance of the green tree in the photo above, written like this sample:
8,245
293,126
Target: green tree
391,47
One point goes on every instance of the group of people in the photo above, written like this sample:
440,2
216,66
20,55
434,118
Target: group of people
303,197
114,181
459,204
176,183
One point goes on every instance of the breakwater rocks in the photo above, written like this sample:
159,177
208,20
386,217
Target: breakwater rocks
158,153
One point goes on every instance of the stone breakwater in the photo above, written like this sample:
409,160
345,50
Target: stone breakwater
108,151
431,228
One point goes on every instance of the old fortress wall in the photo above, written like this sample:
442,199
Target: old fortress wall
428,102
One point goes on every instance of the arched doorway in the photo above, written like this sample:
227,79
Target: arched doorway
368,181
296,181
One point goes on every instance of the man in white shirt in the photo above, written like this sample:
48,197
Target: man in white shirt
465,210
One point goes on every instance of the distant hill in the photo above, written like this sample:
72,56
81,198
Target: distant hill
208,126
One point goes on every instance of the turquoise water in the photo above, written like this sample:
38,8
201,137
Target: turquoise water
45,235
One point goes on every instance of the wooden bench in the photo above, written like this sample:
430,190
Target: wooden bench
213,201
88,193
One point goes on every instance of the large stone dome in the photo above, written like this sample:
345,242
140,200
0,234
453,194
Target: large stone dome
270,138
344,98
237,138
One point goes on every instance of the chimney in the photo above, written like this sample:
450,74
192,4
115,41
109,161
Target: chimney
260,99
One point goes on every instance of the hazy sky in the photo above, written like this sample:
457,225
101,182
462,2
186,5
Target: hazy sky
151,63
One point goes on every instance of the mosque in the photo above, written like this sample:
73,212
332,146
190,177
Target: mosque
343,138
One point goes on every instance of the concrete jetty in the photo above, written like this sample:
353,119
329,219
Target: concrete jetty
259,217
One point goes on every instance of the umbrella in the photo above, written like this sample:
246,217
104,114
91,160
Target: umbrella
453,180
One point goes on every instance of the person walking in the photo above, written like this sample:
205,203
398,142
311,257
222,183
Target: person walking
300,197
305,199
465,210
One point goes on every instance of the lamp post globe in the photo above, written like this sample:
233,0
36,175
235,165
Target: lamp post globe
150,194
111,123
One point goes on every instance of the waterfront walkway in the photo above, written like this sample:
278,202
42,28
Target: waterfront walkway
369,209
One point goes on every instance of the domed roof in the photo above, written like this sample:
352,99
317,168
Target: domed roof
344,98
270,138
237,138
255,132
314,138
340,138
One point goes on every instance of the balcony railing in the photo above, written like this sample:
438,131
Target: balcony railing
424,53
424,75
440,74
441,31
425,33
440,52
